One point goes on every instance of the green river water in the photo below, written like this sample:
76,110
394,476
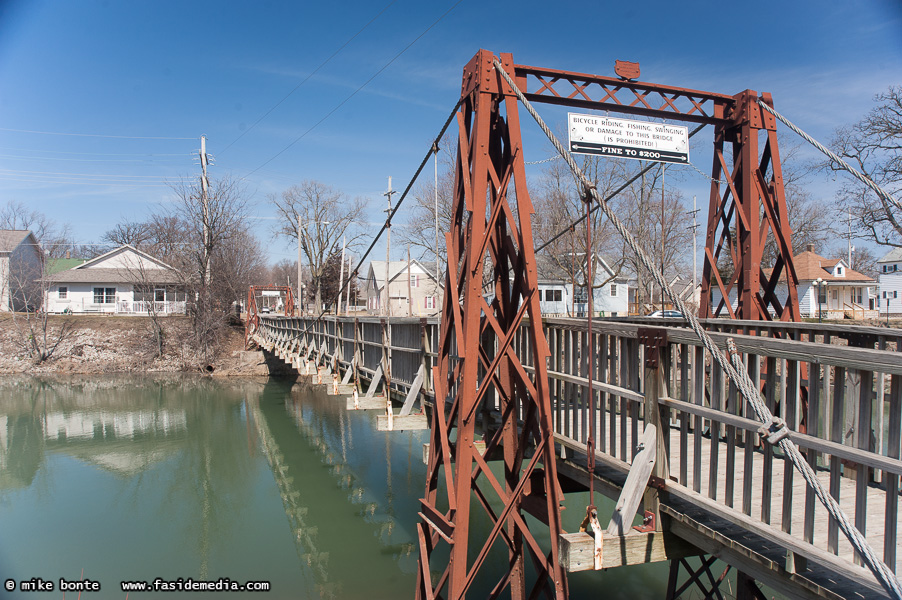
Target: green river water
117,479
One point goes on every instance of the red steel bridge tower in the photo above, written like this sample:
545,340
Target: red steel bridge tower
492,350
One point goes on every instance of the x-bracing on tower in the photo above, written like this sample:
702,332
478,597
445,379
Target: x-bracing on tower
492,356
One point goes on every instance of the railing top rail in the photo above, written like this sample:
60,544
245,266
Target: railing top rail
825,328
350,319
881,361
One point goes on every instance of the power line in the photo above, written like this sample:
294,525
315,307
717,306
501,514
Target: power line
354,93
97,135
94,183
95,153
88,175
101,160
312,73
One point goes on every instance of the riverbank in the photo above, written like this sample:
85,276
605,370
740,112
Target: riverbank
99,344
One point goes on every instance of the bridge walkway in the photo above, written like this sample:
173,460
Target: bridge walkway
839,389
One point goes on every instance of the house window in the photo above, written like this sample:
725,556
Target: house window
429,301
835,295
613,290
414,280
104,295
558,295
884,294
884,268
159,295
63,292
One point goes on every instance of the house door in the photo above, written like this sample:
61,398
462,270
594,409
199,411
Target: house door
159,299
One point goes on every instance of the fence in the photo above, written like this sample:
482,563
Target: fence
839,389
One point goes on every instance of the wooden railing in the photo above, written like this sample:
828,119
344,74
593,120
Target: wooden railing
839,389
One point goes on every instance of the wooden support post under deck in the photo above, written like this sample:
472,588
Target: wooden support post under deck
659,416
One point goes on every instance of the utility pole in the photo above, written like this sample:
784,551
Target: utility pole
300,290
409,287
388,194
851,247
341,277
437,247
663,169
204,190
694,250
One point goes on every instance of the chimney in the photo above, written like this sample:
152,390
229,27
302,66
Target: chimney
67,254
810,248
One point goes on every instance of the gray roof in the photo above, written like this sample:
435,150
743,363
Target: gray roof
10,239
98,275
894,255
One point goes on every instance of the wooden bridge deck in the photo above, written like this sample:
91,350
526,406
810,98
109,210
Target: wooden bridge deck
706,514
727,494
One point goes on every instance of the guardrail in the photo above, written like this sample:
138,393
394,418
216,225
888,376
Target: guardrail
839,389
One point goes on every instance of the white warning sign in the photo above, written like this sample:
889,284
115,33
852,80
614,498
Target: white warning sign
624,138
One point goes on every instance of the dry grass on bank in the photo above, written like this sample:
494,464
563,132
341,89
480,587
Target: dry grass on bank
107,344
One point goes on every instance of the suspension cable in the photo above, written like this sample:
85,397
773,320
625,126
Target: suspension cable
733,368
834,157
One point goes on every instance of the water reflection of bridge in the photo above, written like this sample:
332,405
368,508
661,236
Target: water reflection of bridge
333,497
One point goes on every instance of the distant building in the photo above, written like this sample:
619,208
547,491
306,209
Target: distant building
123,281
827,288
560,295
412,290
21,262
889,294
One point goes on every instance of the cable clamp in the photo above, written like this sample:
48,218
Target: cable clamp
775,431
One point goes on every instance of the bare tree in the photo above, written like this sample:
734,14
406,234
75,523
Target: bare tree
657,218
811,219
863,260
874,147
55,239
238,264
320,216
559,203
28,285
137,235
210,227
281,273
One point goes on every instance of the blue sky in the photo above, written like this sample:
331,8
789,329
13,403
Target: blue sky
175,70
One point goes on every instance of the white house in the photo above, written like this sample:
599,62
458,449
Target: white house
559,297
123,281
21,260
889,295
827,288
413,290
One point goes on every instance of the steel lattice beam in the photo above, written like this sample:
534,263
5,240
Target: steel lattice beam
747,211
491,288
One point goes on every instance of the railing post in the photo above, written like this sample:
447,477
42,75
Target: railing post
655,340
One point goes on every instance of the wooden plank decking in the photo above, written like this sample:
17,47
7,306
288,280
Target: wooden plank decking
710,506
